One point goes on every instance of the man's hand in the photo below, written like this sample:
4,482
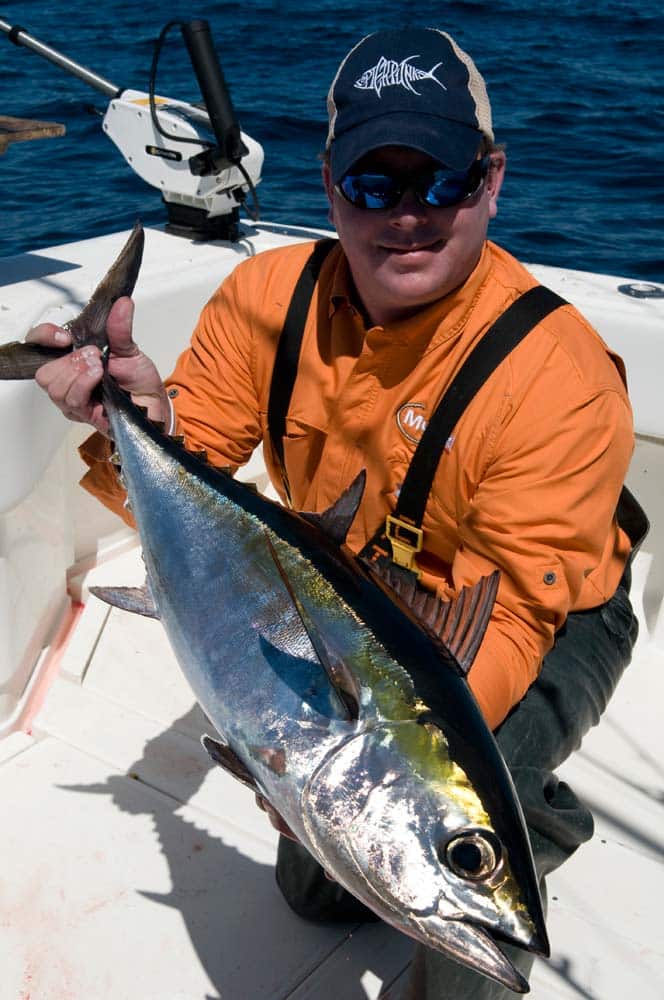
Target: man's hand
71,380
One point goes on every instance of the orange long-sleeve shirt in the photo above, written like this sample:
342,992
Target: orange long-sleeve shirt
528,483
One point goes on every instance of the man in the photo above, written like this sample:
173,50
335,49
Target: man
528,481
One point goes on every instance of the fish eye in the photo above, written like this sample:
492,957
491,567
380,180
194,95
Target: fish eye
474,854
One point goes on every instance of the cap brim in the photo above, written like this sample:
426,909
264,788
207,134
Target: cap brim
452,143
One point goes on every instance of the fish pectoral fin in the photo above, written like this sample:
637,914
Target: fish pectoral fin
335,522
222,755
338,673
138,600
346,685
459,624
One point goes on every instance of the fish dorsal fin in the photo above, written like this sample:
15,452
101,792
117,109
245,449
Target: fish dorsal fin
222,755
139,600
338,673
459,624
335,522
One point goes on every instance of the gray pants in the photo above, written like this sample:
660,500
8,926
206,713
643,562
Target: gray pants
577,679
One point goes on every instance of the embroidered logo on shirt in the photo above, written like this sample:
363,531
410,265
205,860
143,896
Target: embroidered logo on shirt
390,73
411,421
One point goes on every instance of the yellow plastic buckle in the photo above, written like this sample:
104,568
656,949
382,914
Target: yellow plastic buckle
406,542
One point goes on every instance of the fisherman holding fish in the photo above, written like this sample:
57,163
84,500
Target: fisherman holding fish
337,356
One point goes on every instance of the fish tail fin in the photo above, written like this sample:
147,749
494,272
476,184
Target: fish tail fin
89,327
22,361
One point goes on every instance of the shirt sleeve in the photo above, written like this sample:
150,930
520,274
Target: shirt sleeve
213,386
212,392
544,514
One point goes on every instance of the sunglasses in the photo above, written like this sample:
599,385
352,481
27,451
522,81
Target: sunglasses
438,188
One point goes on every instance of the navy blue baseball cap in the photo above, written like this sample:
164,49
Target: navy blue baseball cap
410,87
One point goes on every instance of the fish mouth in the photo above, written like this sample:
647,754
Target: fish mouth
472,946
467,942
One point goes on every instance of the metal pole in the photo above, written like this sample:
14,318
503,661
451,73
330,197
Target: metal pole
19,36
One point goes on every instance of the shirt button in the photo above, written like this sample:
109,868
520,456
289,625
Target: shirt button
549,578
172,393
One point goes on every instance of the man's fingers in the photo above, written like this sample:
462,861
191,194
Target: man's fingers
119,328
56,376
48,335
70,382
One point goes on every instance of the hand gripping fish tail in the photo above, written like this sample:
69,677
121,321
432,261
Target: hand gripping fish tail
338,700
21,361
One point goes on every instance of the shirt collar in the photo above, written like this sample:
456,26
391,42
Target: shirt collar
343,289
453,308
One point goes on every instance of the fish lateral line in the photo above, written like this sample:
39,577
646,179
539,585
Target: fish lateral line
319,538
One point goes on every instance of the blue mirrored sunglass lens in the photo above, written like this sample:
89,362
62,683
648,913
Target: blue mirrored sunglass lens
370,190
448,188
444,189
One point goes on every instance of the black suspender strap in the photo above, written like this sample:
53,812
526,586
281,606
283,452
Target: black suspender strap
403,528
288,349
500,339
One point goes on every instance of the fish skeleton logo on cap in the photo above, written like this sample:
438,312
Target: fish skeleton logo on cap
390,73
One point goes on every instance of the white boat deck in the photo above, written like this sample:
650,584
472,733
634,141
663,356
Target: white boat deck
134,868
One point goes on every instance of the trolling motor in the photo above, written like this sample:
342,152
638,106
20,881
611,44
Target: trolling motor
195,154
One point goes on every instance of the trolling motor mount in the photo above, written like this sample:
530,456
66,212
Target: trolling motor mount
194,154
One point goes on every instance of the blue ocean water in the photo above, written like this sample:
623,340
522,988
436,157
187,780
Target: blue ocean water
576,90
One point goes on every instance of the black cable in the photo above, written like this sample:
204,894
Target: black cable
255,210
151,90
